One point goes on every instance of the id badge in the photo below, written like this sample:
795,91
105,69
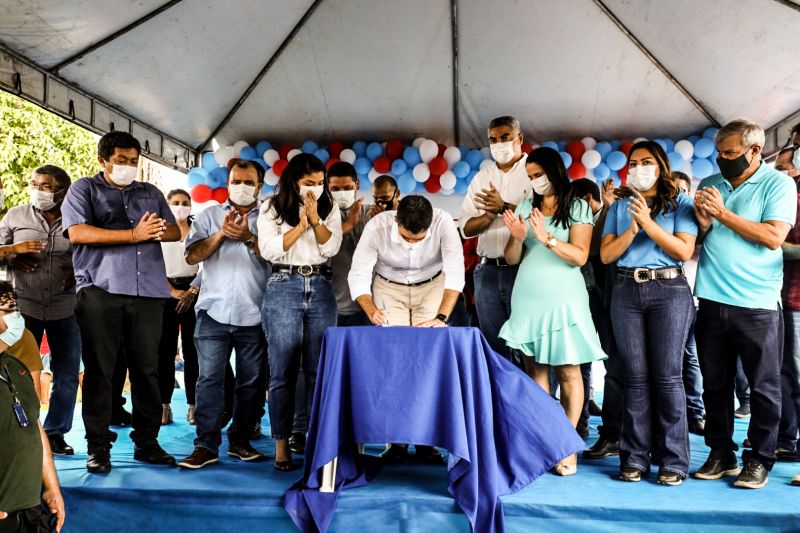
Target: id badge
19,412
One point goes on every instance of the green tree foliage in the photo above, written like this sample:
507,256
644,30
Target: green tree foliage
30,137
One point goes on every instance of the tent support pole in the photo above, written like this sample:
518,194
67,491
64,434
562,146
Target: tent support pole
456,105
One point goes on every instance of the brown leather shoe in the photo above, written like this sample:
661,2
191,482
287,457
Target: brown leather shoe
245,452
199,458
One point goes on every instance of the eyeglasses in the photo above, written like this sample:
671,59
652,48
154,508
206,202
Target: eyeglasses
44,187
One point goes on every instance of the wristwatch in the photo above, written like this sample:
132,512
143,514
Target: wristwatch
504,209
551,242
250,242
319,223
442,317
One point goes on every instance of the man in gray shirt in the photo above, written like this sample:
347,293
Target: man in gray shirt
41,270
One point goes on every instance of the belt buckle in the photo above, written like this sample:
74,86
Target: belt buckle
638,277
305,270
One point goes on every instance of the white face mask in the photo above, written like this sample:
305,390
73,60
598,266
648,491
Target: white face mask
345,199
542,185
642,178
123,175
502,152
316,191
241,194
796,158
42,200
181,212
15,327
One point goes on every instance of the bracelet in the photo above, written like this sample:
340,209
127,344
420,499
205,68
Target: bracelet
318,224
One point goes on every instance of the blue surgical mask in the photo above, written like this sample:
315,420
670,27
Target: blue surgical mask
15,327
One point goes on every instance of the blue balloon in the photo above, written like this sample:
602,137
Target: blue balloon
461,187
566,158
709,133
197,176
421,187
261,147
703,148
676,160
670,145
702,168
360,148
602,172
263,163
411,156
322,154
471,175
464,151
551,144
715,165
363,166
662,144
267,188
615,144
208,161
562,145
406,183
474,158
603,148
399,167
374,151
693,138
461,169
364,182
309,147
248,152
217,178
616,160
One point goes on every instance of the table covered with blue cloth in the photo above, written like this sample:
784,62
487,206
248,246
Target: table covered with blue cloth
442,387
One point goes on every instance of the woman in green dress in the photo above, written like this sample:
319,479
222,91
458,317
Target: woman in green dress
550,320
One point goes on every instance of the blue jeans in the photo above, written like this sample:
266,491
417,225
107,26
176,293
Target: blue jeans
790,381
296,312
651,321
64,337
692,378
493,286
214,342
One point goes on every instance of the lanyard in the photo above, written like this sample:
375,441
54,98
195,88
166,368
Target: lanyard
7,380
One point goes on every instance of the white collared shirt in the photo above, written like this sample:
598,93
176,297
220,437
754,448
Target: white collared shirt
513,186
382,248
306,250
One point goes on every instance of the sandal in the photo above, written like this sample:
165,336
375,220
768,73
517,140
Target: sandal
284,466
669,478
564,469
630,474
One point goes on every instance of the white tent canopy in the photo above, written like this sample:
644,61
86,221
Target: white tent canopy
290,70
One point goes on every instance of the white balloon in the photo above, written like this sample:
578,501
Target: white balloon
237,147
348,156
428,150
271,178
639,139
589,143
591,158
590,175
373,175
223,155
485,164
445,192
534,146
687,168
417,142
447,180
421,172
270,156
452,155
685,148
487,152
293,153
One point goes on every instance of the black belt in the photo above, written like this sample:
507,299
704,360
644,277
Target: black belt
417,284
643,275
494,261
182,283
304,270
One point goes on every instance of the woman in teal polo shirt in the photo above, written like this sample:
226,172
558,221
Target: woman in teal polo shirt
650,235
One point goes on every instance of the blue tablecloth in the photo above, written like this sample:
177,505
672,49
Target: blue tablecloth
443,387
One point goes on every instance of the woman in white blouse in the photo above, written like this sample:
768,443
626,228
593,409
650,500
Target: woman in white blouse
299,229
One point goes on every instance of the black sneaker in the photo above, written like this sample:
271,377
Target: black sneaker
245,452
743,411
394,453
787,456
428,455
753,476
697,426
594,409
58,446
600,449
199,458
582,429
120,417
256,432
153,454
99,461
297,443
746,443
715,468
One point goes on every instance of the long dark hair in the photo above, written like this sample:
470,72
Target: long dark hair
287,200
553,167
667,189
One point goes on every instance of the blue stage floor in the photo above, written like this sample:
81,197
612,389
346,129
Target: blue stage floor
235,496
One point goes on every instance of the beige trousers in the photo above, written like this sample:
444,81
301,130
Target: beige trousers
406,305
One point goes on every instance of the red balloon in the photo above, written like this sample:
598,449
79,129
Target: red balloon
625,148
527,148
623,175
279,166
284,150
432,184
394,149
335,149
577,170
330,163
220,194
201,193
576,149
383,164
438,165
442,148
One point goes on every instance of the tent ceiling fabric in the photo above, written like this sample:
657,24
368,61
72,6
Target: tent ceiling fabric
382,69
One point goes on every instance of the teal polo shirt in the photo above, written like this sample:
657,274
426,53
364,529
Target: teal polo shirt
733,270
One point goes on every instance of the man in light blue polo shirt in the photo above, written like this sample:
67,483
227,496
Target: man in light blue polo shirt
744,215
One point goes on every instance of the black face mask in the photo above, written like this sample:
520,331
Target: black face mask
387,204
733,168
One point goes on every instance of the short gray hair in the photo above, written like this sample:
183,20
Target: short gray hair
506,120
749,132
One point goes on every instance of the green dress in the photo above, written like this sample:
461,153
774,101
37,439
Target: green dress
550,318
